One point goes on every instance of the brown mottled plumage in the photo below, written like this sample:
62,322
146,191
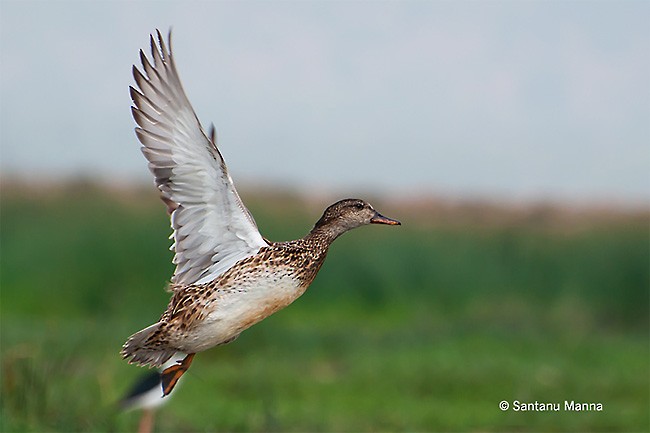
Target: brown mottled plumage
228,277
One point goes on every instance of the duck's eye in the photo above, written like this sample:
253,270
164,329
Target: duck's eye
358,205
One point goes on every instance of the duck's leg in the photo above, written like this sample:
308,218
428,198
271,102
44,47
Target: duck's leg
170,375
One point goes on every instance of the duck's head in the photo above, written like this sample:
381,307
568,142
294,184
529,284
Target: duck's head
350,213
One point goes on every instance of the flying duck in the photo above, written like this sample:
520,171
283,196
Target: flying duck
227,277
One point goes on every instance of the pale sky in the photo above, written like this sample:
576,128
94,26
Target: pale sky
515,100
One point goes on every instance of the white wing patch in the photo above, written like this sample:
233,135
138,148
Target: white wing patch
212,227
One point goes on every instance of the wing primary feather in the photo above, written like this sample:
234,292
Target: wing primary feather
147,87
143,103
148,68
157,60
213,135
161,42
146,121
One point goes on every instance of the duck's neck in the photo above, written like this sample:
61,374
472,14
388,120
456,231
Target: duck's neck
325,234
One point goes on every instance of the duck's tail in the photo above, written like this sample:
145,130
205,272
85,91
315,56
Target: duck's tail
144,348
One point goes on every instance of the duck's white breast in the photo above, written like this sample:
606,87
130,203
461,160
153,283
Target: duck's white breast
243,304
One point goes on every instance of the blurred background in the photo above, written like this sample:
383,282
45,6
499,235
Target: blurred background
511,140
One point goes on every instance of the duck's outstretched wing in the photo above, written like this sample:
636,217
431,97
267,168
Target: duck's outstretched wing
212,227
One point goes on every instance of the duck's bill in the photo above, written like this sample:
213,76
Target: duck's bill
380,219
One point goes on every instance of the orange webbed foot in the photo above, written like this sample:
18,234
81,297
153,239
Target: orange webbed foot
170,375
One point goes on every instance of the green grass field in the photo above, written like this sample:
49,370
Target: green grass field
425,327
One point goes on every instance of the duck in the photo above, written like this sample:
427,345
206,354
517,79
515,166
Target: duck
228,277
